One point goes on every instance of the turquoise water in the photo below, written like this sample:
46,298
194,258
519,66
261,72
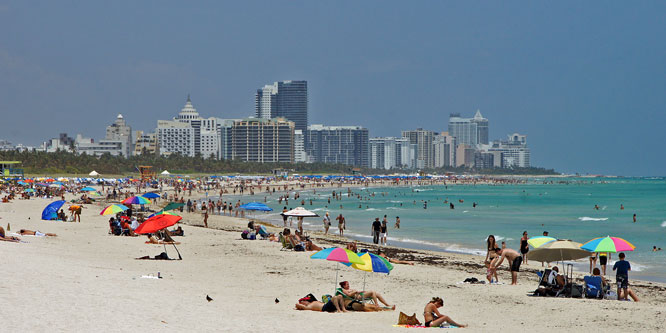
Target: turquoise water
565,210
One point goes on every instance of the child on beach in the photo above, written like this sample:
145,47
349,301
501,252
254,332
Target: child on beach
622,277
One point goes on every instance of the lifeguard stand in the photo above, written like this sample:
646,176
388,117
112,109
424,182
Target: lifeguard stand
8,170
146,172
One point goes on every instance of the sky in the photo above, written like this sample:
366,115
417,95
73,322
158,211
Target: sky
584,80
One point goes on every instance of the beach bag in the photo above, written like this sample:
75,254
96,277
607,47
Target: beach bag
404,319
244,234
577,291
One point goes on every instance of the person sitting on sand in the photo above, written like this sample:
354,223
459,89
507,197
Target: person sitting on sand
359,295
393,261
432,316
351,246
153,240
35,233
335,304
176,232
295,240
4,237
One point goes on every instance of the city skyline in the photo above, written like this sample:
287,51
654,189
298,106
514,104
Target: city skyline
585,85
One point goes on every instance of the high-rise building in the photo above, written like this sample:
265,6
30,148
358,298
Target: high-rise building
484,160
465,155
284,99
189,134
514,151
383,153
146,143
445,150
120,131
338,144
299,147
425,155
469,131
88,146
263,140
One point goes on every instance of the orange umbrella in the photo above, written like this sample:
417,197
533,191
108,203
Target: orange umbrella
156,223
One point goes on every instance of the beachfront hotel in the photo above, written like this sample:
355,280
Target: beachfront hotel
284,99
263,140
425,152
469,131
338,144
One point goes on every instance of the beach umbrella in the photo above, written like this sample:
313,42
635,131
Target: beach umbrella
113,209
29,190
608,244
162,212
157,223
173,205
537,241
300,212
256,206
93,173
28,181
51,211
339,255
166,173
559,250
88,189
136,200
373,263
151,195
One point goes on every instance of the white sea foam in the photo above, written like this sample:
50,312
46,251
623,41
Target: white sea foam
465,211
663,224
372,209
587,218
394,208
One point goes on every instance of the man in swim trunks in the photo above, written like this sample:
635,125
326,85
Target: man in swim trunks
513,259
35,233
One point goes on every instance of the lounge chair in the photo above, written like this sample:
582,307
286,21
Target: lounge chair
338,291
285,244
593,287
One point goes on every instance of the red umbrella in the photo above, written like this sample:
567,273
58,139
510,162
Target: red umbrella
157,222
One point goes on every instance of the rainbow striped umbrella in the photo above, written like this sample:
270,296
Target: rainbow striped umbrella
608,244
538,241
373,263
113,209
339,255
136,201
161,212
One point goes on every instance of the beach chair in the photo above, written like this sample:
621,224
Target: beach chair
543,278
285,244
338,291
593,287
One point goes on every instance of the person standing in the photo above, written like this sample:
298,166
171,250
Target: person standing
205,218
383,231
284,217
327,223
603,259
376,229
397,222
524,247
341,224
622,267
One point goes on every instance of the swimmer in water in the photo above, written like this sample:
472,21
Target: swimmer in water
634,218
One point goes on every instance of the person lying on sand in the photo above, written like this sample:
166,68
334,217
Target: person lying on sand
153,240
176,232
359,295
432,316
6,238
394,261
335,304
36,233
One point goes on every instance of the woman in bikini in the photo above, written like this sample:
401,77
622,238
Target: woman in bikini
432,316
491,256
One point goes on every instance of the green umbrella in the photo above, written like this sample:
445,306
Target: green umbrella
173,205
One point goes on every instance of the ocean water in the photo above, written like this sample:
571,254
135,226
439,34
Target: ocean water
565,208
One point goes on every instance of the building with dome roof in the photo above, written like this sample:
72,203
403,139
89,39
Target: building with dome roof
120,131
189,134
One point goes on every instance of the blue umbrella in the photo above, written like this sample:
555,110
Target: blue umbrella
256,206
88,189
51,211
151,195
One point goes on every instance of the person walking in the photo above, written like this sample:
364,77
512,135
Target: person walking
376,229
327,223
341,224
524,247
383,231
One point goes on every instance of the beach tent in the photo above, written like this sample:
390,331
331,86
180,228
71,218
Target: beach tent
93,173
166,173
300,212
50,212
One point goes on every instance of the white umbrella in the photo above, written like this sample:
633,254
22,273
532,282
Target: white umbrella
93,173
165,172
300,212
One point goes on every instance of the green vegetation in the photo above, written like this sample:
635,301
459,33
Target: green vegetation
69,163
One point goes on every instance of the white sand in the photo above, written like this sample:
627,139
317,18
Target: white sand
85,280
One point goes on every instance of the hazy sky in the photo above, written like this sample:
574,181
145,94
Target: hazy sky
586,81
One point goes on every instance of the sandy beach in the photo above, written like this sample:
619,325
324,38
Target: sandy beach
85,279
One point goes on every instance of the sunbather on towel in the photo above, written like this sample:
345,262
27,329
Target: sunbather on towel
394,261
335,304
6,238
369,294
432,316
36,233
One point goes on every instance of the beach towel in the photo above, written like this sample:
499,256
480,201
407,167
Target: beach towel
421,326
